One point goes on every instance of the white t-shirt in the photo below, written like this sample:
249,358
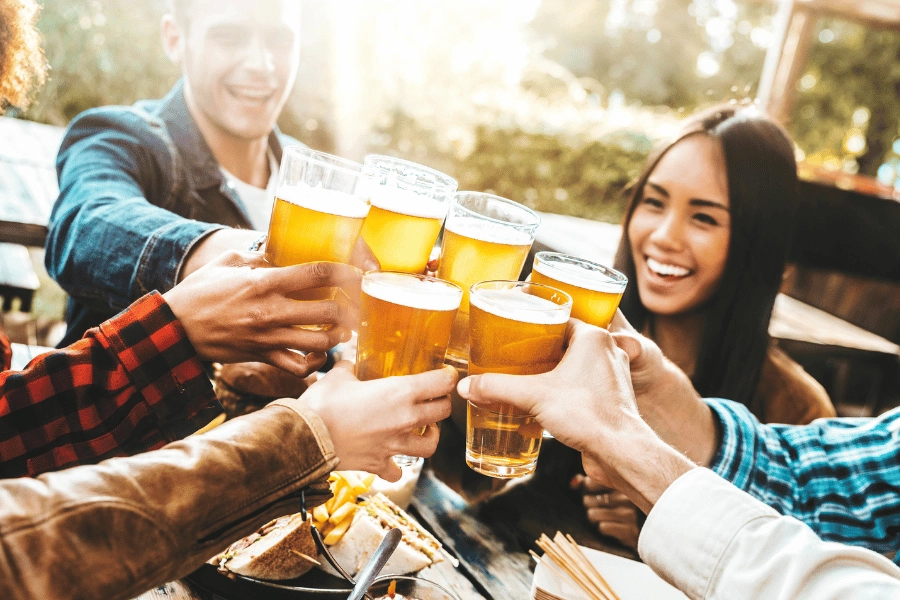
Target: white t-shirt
257,201
714,542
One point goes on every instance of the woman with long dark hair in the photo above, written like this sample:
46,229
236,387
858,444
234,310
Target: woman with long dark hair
704,243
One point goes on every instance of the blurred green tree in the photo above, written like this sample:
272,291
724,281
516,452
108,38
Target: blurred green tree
101,52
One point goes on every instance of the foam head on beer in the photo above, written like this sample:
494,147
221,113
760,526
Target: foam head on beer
425,293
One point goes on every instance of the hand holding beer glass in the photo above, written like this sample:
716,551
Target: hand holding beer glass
486,238
405,322
517,328
407,213
320,205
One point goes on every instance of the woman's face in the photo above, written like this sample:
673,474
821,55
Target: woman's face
681,227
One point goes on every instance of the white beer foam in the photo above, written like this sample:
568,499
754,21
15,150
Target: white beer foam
516,305
587,279
407,202
412,291
488,231
322,200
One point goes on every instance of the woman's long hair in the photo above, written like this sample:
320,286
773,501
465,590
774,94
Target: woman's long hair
762,190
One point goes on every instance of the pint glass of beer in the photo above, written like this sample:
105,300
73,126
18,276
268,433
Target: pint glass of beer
407,213
596,290
486,238
517,328
405,322
320,205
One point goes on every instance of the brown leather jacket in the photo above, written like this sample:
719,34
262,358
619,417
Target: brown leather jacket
119,528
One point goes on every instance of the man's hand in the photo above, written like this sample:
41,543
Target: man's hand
372,421
587,403
237,309
665,396
611,512
363,257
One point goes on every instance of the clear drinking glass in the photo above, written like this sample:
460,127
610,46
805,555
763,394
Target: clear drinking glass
596,290
408,210
486,237
517,328
320,205
405,323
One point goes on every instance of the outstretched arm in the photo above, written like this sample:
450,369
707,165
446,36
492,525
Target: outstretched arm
702,534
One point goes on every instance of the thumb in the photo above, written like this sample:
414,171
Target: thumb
390,471
522,391
620,324
630,345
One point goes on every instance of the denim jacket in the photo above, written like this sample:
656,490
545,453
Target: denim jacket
139,187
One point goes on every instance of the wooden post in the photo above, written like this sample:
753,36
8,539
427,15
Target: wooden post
786,58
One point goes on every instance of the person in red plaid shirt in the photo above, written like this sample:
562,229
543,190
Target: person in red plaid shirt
136,382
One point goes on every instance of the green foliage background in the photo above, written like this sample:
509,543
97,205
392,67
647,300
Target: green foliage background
108,52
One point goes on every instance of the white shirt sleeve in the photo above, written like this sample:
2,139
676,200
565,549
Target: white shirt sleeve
713,541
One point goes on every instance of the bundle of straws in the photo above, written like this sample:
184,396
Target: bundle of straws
568,560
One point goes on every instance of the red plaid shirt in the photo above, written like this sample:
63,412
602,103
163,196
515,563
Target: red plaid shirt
134,383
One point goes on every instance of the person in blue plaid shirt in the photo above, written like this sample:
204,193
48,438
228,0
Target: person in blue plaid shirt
839,476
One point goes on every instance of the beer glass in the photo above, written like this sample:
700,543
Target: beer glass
596,290
320,205
407,213
518,328
486,237
405,323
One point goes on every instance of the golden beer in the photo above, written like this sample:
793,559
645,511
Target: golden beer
596,290
516,328
314,225
408,210
486,238
405,323
401,229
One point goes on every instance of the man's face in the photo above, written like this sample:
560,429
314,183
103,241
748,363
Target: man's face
239,62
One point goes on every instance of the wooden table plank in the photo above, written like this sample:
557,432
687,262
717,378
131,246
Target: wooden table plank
497,565
174,590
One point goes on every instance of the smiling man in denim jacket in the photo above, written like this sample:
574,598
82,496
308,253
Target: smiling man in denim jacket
150,193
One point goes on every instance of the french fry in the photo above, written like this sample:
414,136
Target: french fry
326,528
353,481
342,496
367,481
343,512
338,531
320,513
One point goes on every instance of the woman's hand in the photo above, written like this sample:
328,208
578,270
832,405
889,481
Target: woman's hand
372,421
610,511
239,309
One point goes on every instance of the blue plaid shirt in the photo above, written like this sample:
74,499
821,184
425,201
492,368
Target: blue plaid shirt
839,476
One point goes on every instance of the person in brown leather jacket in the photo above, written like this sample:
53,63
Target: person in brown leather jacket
117,528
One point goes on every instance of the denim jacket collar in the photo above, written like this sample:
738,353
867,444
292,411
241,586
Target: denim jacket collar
200,163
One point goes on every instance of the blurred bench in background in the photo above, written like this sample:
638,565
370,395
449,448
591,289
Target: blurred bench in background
28,189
